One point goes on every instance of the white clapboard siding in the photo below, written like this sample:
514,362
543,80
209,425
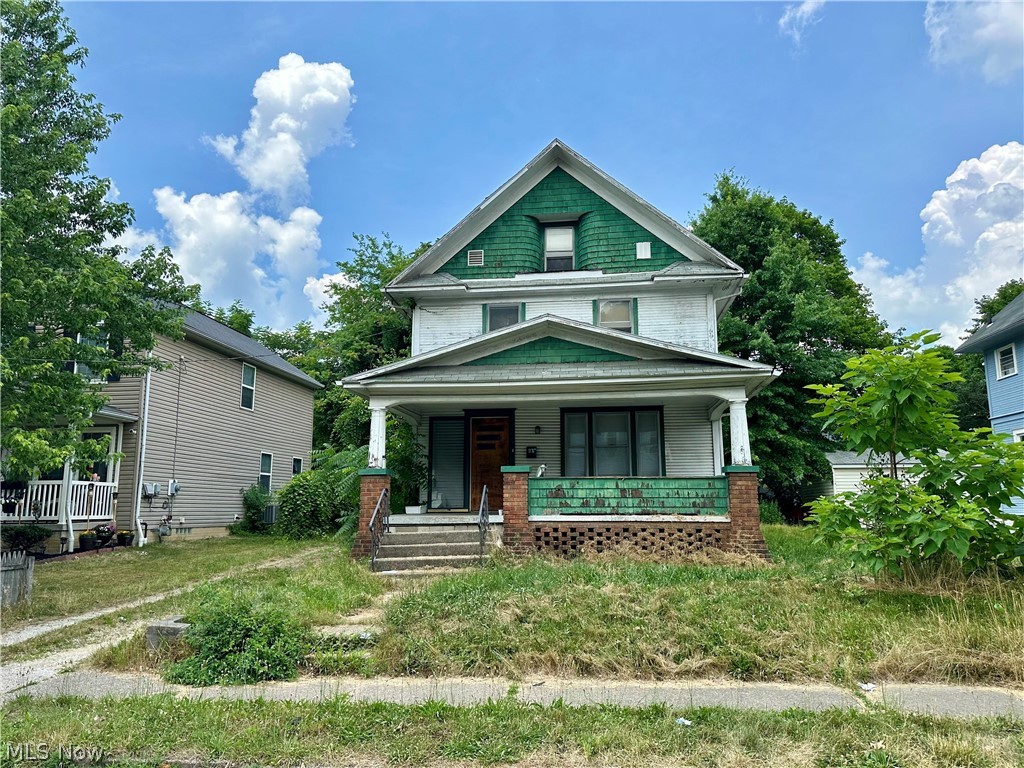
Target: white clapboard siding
689,448
218,442
677,320
581,310
439,326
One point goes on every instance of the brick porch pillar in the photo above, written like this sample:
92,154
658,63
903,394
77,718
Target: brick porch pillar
743,511
371,482
516,532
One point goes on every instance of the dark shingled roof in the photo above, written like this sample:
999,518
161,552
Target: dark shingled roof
210,333
1005,326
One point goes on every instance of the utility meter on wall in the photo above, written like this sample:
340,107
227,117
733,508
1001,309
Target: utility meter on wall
173,487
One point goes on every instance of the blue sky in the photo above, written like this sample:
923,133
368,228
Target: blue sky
401,117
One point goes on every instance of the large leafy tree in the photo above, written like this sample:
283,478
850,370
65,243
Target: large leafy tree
72,312
801,312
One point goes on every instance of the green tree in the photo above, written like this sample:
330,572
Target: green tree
800,312
892,400
988,307
236,316
949,504
72,311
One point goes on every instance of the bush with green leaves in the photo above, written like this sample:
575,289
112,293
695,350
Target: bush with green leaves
236,640
23,536
770,513
254,501
947,507
310,505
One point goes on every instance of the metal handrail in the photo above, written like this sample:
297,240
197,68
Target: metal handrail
380,523
483,519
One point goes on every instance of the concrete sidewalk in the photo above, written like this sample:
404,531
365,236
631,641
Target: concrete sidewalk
954,701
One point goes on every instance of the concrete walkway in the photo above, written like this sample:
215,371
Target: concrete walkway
37,629
953,701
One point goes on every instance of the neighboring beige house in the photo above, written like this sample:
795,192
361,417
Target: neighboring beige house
228,413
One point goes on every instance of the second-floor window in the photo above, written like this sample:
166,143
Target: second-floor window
248,387
616,314
501,316
1006,362
559,248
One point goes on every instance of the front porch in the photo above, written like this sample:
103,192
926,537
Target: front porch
573,431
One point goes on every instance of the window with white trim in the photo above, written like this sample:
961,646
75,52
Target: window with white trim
1006,361
296,466
248,387
1018,435
100,341
616,314
502,316
266,470
559,248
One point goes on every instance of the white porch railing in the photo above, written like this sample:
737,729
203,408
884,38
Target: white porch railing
90,501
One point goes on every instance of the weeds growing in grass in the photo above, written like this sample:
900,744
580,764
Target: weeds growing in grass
235,639
805,618
154,729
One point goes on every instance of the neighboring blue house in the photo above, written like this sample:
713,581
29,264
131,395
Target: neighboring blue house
1002,344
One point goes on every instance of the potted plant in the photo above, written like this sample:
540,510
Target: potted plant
87,540
104,533
125,538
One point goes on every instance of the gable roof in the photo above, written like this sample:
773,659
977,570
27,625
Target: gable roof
864,459
558,155
1007,324
456,361
211,333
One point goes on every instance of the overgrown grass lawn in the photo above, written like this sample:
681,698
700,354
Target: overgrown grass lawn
150,730
805,617
74,586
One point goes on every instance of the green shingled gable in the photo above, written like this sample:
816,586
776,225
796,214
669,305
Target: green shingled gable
605,237
550,350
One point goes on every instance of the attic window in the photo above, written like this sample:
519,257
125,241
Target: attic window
475,259
643,250
558,248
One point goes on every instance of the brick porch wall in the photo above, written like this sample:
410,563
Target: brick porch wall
744,511
371,483
517,533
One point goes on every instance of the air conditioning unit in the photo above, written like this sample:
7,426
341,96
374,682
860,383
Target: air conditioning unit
150,490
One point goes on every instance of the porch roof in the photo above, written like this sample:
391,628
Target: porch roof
110,413
625,360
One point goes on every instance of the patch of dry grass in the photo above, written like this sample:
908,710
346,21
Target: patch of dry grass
802,619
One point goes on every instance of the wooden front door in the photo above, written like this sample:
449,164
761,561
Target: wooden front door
489,449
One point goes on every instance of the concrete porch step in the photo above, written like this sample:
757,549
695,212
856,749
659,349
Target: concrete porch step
422,562
402,538
432,548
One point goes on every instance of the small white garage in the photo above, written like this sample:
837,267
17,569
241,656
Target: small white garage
848,469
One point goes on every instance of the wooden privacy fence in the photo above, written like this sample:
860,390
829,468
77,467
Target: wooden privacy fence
16,577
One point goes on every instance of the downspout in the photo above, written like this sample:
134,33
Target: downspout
142,457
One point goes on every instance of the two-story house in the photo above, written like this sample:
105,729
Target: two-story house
226,414
565,358
1001,342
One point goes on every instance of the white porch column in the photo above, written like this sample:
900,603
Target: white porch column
64,504
378,437
717,444
739,437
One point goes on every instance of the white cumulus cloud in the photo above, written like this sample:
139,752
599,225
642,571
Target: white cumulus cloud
301,110
233,252
318,291
985,34
973,234
797,18
231,243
